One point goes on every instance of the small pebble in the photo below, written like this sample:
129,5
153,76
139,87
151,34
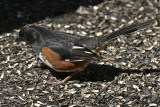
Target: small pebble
95,8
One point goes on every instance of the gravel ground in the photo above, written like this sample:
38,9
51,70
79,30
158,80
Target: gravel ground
134,58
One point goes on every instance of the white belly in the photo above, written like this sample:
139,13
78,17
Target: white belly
45,61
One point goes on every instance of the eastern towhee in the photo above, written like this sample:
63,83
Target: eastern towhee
65,52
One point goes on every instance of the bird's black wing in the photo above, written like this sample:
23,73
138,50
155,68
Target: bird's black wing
71,52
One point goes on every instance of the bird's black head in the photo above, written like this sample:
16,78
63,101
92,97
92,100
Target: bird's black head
29,34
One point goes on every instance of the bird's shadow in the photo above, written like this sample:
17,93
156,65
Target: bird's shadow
94,73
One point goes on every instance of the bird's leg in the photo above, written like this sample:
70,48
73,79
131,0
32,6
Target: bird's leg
67,78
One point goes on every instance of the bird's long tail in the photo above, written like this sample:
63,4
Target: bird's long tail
102,41
127,29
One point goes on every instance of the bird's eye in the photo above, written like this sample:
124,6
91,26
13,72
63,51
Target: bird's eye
24,35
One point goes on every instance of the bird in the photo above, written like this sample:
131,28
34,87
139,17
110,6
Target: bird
64,52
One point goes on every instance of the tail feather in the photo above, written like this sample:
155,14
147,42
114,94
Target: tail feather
100,42
126,30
